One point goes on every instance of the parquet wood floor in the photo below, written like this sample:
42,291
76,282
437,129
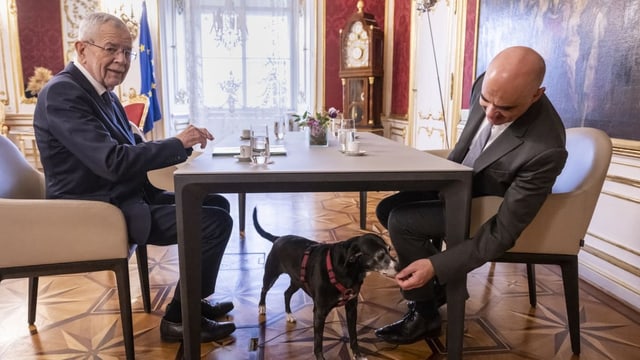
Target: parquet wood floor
78,315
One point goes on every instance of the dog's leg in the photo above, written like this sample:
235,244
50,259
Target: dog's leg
287,302
271,274
351,308
319,317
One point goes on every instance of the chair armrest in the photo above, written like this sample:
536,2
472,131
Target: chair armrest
163,178
58,231
560,224
443,153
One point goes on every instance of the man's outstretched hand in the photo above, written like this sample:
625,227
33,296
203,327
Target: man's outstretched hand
193,135
416,274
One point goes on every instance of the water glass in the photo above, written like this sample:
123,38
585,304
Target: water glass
336,123
279,128
259,143
347,133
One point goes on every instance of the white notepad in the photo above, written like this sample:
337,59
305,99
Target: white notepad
235,150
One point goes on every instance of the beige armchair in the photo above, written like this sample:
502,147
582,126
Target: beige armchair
49,237
556,233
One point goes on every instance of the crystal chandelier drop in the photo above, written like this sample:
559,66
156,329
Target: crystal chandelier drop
229,27
425,5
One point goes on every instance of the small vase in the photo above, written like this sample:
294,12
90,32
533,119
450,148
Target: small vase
318,136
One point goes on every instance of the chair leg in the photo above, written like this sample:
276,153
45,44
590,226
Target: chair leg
242,204
363,210
143,273
33,299
570,282
124,296
531,279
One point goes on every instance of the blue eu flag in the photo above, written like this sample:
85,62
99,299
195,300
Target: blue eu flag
148,87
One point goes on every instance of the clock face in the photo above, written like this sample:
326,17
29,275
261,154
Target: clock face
356,50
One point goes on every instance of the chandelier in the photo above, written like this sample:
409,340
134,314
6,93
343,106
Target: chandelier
229,26
425,5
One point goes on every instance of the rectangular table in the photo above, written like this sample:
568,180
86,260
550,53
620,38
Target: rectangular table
386,166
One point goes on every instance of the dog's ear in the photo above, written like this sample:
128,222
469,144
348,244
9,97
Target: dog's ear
354,253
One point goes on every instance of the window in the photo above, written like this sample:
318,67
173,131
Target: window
214,81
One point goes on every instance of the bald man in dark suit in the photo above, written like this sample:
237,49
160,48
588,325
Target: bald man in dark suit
88,151
520,142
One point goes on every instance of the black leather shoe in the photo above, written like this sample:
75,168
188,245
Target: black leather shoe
209,330
215,311
411,328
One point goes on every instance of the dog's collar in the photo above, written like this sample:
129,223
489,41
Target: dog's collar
303,268
345,294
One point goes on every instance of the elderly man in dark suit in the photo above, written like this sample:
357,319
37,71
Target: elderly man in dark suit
88,151
515,142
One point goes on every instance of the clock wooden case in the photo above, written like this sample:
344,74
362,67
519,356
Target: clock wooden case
361,70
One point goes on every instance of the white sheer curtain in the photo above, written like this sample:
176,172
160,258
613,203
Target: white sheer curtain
255,80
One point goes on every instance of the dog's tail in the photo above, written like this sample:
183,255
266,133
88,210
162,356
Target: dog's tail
259,228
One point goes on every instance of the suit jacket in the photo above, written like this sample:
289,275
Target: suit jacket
521,165
86,155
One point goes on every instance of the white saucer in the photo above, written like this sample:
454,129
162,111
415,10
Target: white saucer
242,159
359,153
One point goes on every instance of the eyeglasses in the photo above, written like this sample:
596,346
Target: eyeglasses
114,51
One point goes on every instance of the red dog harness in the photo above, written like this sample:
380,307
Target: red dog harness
345,294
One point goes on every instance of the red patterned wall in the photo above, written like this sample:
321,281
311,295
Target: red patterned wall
40,30
338,12
401,61
469,52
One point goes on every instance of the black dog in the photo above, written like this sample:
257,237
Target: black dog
331,274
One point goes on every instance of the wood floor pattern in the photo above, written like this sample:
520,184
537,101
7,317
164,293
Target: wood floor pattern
78,316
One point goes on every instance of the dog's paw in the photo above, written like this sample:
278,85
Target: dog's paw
291,318
262,310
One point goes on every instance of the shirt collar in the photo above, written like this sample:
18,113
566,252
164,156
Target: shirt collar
100,89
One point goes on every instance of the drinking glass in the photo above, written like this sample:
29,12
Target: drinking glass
336,123
347,133
259,143
279,127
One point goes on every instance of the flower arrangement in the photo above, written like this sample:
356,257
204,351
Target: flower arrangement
39,79
318,124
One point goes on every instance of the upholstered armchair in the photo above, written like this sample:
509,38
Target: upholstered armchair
136,108
556,234
50,237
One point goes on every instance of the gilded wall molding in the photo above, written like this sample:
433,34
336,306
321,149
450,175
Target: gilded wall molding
608,277
73,13
634,270
622,197
4,83
624,180
626,147
614,244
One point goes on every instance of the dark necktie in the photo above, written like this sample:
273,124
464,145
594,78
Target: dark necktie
113,115
476,147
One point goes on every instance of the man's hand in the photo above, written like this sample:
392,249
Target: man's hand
416,274
193,135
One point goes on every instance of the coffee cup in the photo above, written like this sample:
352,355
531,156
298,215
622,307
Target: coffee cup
246,133
353,147
245,151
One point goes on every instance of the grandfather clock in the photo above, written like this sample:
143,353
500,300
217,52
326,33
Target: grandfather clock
361,69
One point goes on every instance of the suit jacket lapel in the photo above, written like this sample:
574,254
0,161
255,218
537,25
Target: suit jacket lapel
119,117
476,116
507,141
106,110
